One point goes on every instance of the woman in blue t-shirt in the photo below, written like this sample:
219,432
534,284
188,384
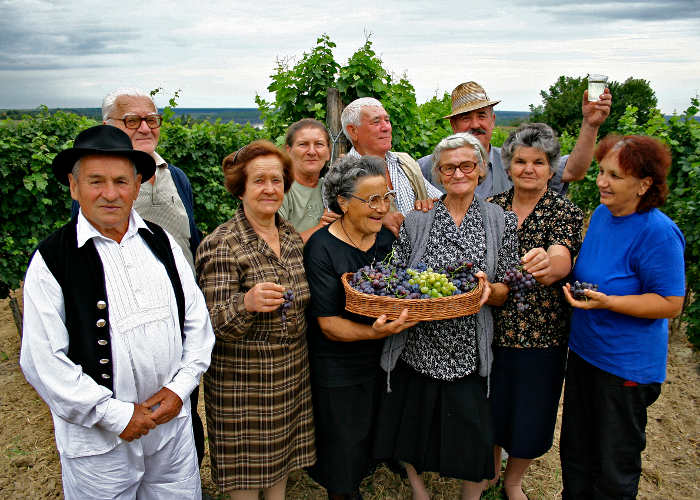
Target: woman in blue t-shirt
619,334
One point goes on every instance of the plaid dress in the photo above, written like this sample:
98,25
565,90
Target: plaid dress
256,391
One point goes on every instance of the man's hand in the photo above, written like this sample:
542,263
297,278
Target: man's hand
595,112
392,221
139,425
328,217
425,205
264,297
170,406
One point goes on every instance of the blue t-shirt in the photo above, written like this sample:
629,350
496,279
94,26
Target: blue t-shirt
630,255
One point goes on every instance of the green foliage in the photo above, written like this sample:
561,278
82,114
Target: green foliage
32,203
300,91
561,106
199,149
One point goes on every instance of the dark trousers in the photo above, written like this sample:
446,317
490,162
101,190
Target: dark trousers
197,426
603,432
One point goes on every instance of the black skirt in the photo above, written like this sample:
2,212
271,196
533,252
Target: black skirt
344,418
525,389
436,425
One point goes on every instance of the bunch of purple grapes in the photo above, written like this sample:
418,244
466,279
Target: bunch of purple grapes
288,297
462,275
519,283
385,280
577,289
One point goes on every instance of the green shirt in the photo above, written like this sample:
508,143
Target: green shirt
303,206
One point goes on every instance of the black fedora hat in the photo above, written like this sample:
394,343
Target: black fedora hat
102,140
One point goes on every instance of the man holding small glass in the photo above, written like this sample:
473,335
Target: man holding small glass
473,112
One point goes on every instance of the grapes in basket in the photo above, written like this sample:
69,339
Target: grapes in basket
421,282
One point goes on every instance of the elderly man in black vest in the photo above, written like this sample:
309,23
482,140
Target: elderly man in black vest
116,332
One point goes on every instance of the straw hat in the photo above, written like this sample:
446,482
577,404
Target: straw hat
468,97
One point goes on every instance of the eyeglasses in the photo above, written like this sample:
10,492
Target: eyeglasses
466,167
374,200
134,121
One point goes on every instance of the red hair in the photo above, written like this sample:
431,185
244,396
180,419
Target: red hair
641,156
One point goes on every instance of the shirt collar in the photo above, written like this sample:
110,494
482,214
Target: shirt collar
390,156
86,231
160,162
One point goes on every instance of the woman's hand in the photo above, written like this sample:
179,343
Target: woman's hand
548,266
264,297
594,300
384,328
494,294
486,286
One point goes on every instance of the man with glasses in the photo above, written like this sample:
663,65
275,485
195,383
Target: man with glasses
166,198
472,111
367,125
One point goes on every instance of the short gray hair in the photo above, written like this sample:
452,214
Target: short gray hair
532,135
351,113
341,179
456,141
111,98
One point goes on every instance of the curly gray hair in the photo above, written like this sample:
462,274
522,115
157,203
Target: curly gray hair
532,135
351,113
341,179
456,141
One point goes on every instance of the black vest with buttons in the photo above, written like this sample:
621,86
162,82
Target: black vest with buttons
80,274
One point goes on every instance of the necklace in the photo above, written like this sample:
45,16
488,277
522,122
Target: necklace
346,233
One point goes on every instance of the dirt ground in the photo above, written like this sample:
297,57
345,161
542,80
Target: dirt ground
29,465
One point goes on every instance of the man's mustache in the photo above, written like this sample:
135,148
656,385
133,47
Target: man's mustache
477,131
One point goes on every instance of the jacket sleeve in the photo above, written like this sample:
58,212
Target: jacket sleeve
220,278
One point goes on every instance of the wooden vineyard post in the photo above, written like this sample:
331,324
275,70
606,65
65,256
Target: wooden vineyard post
16,312
334,107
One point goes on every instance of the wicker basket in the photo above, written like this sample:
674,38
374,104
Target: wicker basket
418,309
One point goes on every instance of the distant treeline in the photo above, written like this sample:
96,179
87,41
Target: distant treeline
236,115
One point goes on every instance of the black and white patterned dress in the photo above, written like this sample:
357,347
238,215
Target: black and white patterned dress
447,349
437,416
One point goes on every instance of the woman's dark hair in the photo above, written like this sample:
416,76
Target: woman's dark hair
641,156
302,124
234,165
532,135
342,177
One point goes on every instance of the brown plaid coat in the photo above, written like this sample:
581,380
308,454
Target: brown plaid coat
256,391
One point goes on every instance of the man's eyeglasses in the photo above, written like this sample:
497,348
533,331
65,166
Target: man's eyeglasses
466,167
134,121
375,200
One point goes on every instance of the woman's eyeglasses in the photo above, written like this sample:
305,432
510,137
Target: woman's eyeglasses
376,200
466,167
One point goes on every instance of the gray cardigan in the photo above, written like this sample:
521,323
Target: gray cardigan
418,226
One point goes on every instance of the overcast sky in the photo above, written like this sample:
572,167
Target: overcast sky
221,53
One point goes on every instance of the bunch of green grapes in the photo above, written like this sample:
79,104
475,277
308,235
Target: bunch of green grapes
431,284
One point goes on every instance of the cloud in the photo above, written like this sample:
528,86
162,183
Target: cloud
605,11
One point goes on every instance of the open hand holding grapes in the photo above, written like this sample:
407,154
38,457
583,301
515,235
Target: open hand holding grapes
585,296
